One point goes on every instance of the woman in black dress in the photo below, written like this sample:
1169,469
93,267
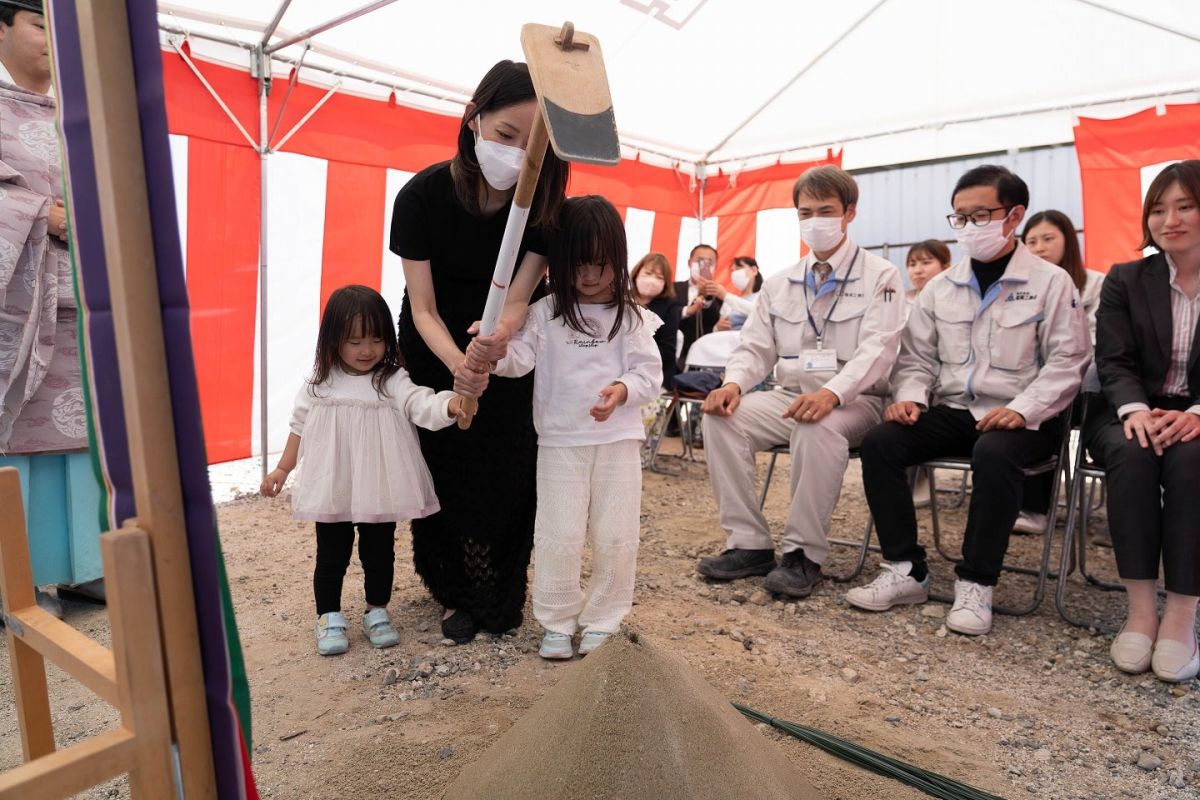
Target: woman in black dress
446,227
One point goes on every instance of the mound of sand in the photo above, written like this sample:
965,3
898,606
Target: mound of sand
632,721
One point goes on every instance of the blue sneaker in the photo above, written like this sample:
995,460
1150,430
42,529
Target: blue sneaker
331,634
556,646
378,628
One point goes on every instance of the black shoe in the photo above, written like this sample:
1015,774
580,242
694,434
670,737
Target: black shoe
460,627
796,575
737,563
90,592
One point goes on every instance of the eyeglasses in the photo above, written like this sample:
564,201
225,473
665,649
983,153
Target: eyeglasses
980,217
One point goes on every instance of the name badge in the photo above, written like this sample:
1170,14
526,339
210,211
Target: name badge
820,360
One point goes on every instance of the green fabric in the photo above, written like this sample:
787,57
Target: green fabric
928,782
237,664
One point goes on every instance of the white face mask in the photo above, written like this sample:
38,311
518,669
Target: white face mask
740,278
649,285
821,234
500,163
983,242
694,271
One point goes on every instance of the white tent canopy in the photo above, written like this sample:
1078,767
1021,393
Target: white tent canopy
738,84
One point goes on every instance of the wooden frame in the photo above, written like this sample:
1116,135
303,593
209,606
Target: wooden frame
130,676
133,285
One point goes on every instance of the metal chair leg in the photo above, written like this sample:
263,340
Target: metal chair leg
863,548
762,496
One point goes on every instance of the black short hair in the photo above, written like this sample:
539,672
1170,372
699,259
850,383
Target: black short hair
692,254
1010,189
8,15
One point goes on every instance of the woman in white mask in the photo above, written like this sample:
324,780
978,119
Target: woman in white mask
654,290
737,305
447,225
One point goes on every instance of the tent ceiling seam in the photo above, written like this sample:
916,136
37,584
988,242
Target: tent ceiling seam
816,60
1046,109
1140,20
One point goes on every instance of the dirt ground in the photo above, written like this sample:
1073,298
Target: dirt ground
1034,709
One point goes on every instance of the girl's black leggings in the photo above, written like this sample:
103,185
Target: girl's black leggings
376,552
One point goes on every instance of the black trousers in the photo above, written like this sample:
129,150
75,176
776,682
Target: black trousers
376,553
1153,502
997,461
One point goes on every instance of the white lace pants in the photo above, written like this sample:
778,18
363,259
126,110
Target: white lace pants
596,488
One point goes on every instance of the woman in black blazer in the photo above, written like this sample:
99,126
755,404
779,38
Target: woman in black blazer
1148,438
653,288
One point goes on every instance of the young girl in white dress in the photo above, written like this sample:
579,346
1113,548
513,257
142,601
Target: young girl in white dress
353,429
597,365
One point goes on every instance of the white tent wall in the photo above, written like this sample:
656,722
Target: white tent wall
894,80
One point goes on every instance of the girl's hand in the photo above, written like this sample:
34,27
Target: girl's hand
273,483
470,382
611,396
455,409
486,350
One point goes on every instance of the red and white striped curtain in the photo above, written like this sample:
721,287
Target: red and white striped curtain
330,194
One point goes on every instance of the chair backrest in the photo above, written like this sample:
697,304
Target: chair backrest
713,349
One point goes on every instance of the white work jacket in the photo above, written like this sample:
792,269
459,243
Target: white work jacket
859,311
1022,345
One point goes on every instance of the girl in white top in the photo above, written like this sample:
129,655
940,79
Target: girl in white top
353,429
597,364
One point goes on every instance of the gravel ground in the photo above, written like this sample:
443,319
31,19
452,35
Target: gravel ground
1034,709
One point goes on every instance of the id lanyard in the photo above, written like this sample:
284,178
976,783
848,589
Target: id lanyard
820,332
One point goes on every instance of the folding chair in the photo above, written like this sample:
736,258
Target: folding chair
863,547
1058,465
1075,535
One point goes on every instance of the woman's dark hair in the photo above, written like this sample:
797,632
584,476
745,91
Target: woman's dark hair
348,306
934,248
590,231
505,84
1187,175
1072,260
659,262
748,261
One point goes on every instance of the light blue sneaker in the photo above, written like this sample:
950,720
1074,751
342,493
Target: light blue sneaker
556,646
591,640
378,628
331,634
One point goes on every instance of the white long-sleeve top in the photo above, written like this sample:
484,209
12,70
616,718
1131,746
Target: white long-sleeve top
573,367
420,405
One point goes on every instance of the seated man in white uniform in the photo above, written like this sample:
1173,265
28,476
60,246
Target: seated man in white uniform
830,328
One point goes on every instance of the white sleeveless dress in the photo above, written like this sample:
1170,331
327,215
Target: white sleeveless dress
360,460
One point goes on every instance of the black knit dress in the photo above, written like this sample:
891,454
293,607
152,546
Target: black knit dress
474,553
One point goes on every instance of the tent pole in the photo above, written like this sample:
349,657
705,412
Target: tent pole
702,179
324,26
270,31
264,150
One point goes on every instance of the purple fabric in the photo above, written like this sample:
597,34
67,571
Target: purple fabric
198,509
92,269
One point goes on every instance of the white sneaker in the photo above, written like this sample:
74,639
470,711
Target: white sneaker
1029,522
591,640
893,586
556,646
331,634
972,610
